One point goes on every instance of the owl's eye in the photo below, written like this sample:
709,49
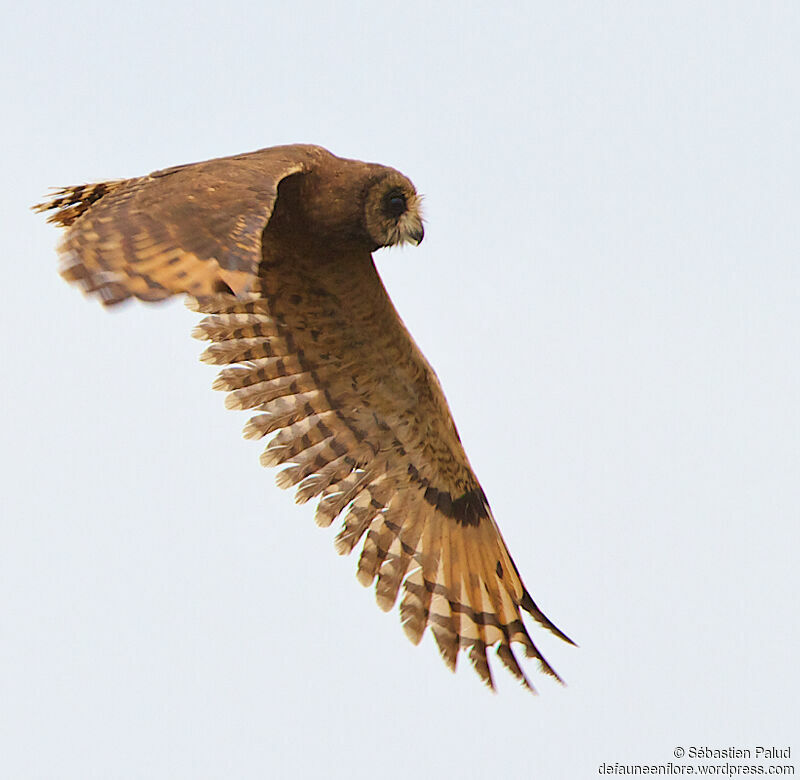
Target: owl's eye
395,204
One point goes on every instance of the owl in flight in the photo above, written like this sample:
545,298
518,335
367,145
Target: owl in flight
275,248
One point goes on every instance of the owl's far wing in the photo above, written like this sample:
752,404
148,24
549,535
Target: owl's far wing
363,427
189,229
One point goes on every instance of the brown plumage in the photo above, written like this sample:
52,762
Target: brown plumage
275,248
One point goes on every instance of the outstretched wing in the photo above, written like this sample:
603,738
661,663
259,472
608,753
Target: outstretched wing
363,427
192,228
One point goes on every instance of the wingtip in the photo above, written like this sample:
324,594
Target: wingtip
529,605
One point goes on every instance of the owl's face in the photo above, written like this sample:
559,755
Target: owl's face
392,212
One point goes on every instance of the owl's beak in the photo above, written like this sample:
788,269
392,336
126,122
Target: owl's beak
416,234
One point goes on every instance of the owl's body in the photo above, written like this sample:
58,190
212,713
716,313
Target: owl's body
275,247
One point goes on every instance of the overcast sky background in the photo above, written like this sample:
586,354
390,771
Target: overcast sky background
608,290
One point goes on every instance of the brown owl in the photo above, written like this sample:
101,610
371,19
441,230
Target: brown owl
275,247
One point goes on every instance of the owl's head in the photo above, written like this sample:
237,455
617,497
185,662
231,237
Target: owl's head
392,211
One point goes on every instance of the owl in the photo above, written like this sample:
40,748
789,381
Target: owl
275,248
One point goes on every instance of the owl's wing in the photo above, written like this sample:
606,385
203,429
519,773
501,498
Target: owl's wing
363,427
192,228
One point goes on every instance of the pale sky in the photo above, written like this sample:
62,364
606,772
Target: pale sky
608,290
